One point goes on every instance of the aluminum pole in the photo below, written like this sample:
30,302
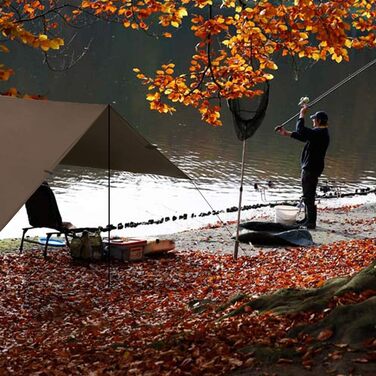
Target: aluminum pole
236,249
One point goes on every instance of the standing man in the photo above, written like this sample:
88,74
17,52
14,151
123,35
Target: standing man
312,159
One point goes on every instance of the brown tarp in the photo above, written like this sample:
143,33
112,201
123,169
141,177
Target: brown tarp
36,136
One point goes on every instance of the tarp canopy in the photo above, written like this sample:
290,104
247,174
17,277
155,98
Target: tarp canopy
36,136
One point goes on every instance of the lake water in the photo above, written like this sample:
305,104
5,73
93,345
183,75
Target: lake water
210,156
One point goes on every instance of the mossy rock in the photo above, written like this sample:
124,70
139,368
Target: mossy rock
299,300
352,323
365,279
232,300
269,354
199,306
295,300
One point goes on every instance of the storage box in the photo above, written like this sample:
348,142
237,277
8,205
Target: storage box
126,250
155,246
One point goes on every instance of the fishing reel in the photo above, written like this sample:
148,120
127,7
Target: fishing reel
303,101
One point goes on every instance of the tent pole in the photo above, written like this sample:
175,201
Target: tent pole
109,190
236,249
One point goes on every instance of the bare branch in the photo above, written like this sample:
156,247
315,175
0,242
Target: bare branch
73,59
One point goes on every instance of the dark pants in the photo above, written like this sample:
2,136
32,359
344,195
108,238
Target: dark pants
309,186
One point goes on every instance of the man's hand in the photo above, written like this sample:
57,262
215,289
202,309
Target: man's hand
303,111
282,131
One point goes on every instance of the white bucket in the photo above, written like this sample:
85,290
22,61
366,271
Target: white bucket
286,214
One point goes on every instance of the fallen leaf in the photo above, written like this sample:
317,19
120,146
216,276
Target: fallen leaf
325,334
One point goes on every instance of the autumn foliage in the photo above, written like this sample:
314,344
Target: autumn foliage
237,41
165,316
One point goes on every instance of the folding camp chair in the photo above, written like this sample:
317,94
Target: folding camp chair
43,212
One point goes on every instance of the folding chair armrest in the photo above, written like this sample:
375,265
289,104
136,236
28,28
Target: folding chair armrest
27,228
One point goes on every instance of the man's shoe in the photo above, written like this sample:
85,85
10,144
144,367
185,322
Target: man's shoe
310,226
311,217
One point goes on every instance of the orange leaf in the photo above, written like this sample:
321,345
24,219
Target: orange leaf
325,334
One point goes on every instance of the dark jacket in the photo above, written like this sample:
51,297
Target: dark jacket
317,142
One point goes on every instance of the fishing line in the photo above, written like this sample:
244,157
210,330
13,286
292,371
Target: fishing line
208,203
333,88
176,216
215,212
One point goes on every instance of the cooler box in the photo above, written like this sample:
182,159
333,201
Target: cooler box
155,246
126,250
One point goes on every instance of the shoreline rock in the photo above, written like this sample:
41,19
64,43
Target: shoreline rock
349,219
345,219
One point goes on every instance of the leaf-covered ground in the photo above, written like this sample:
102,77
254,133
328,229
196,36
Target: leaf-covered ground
167,316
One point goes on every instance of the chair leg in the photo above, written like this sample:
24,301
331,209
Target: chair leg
66,240
46,246
22,239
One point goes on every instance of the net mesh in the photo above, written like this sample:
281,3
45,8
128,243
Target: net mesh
248,114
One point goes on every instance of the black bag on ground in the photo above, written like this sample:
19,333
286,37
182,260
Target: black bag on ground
299,237
268,226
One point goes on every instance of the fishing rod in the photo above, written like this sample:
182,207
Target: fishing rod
305,100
